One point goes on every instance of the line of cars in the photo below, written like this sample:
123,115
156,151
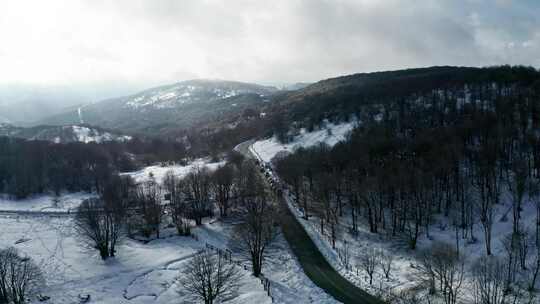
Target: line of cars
273,180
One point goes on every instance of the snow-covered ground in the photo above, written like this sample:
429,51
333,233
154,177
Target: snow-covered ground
141,272
87,135
144,273
330,134
45,203
180,171
403,271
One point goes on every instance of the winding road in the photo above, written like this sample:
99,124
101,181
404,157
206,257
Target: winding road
312,261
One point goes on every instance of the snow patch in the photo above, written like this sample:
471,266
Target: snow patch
180,171
87,135
331,134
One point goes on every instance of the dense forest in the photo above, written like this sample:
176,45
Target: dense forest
341,99
33,167
456,150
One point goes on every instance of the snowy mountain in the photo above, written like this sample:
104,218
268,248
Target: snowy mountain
193,91
182,104
62,134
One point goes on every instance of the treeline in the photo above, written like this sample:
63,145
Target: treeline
34,167
338,99
452,151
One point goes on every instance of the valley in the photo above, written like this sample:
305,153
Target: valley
335,166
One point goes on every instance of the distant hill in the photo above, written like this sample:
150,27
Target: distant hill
216,115
180,105
346,95
62,134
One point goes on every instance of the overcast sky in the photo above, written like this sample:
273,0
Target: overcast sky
124,43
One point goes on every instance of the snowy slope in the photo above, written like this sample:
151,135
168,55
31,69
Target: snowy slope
403,273
193,91
330,134
86,135
159,172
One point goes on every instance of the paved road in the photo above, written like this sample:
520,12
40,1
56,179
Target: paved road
312,261
315,265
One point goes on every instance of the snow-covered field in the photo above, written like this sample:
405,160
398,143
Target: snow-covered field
45,203
141,272
330,134
159,172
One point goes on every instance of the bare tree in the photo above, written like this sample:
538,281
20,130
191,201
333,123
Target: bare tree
169,181
369,262
444,270
178,207
510,244
330,209
409,296
248,183
533,270
198,192
209,277
222,183
257,232
534,266
387,261
487,185
344,254
19,277
488,281
149,203
100,223
523,243
517,186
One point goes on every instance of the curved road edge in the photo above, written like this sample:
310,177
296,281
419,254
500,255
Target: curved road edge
314,264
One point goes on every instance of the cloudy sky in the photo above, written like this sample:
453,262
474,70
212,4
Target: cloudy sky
126,43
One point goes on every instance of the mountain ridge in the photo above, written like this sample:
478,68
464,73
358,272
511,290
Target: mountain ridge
175,104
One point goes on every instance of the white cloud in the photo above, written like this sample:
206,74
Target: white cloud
151,42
